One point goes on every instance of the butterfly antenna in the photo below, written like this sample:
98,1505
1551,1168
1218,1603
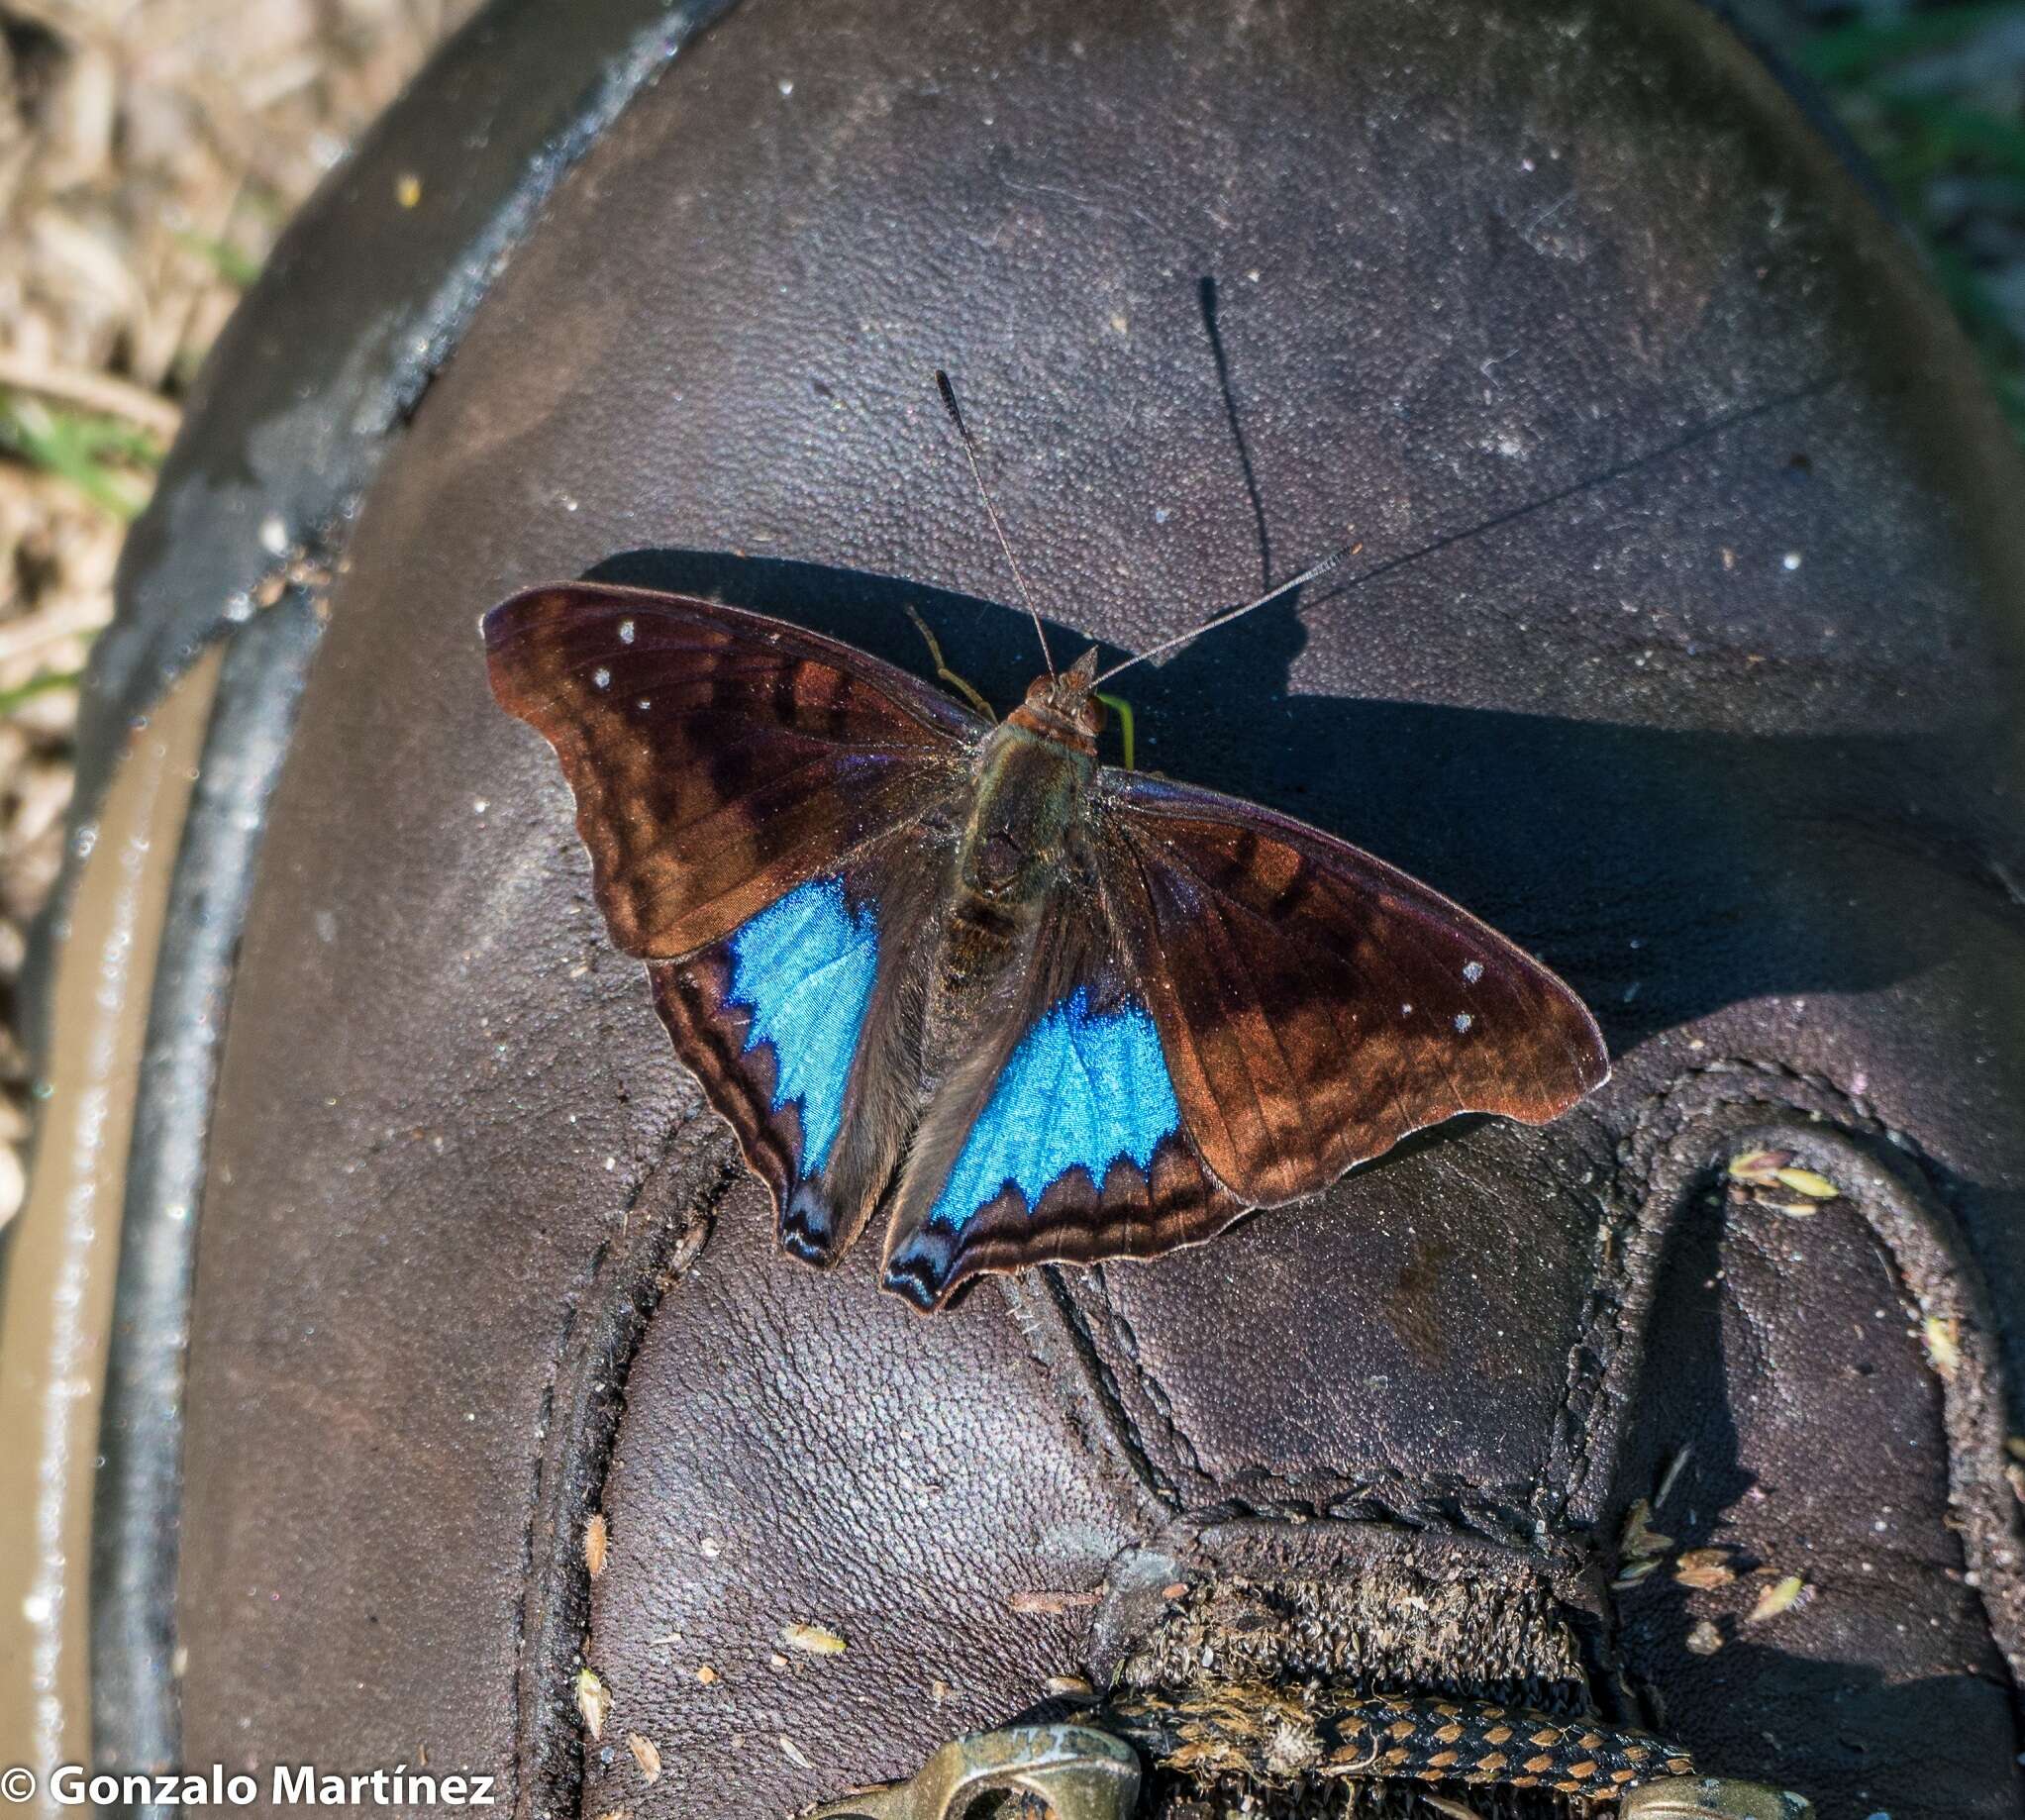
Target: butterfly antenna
1313,573
1698,433
949,400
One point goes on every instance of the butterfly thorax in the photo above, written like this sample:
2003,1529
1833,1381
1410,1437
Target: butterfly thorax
1025,809
1033,771
1022,832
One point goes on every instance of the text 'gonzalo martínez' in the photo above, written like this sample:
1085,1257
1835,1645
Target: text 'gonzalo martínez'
283,1784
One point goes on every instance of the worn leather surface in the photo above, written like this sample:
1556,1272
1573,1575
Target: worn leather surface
314,378
1724,726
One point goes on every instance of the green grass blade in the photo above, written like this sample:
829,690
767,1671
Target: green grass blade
46,683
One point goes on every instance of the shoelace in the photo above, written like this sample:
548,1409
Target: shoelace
1271,1737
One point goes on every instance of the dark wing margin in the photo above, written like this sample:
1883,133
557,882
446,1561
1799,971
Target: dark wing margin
1315,1004
719,759
1172,1203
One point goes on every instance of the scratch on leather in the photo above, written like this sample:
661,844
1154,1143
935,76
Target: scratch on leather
1103,1382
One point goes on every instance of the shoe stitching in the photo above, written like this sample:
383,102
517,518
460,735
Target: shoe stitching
662,1258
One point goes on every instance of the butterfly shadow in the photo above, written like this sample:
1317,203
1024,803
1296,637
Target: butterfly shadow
1666,872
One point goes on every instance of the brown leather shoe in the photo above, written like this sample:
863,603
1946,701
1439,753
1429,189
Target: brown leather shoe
1684,647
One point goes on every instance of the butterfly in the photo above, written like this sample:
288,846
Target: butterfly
1030,1006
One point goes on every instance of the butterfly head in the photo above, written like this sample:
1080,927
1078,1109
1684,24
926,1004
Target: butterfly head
1064,707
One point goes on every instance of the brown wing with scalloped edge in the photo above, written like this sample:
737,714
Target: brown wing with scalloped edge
719,759
1315,1004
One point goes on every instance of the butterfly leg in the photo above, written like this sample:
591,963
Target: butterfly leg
1123,709
948,675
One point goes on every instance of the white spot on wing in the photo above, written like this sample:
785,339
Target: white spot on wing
624,632
1463,1022
601,676
1472,971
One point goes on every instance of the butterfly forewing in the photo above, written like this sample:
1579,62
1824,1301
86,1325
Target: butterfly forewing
718,759
1314,1004
768,814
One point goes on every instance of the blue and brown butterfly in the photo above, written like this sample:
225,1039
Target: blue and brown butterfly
1029,1006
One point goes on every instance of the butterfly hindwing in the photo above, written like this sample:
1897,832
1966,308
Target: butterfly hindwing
718,759
769,1019
796,1025
1068,1147
1316,1005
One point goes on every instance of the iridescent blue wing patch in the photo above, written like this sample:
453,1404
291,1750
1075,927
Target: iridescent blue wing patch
1079,1151
802,970
1081,1091
771,1018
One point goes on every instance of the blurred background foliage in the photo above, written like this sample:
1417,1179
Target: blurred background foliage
151,151
1934,96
